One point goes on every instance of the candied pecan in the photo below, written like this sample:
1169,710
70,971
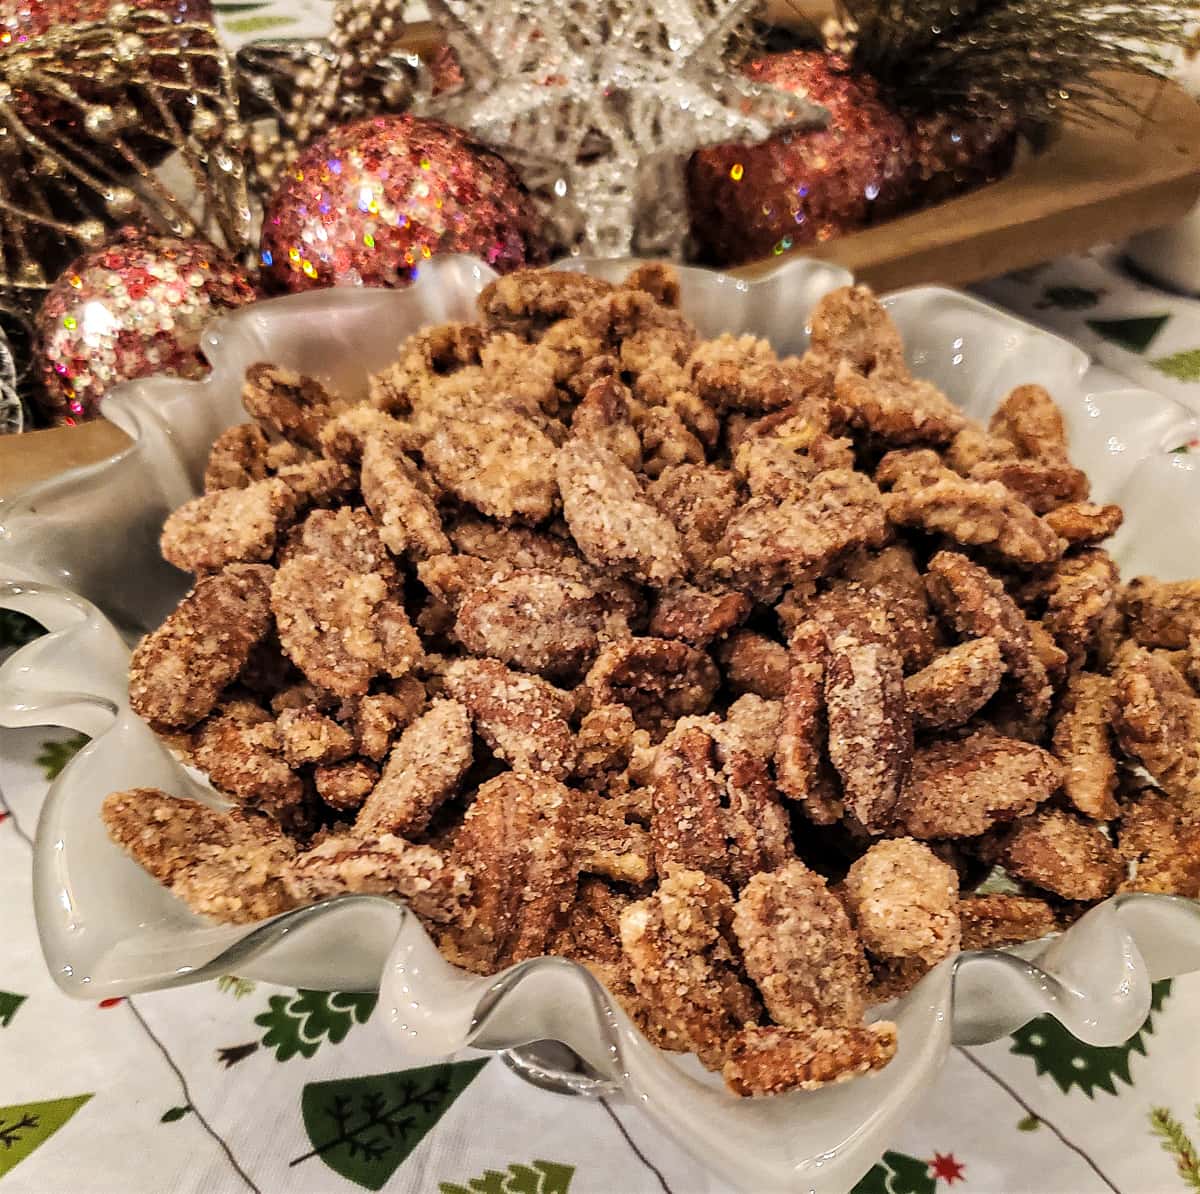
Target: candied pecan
972,446
394,493
1061,853
344,437
529,302
221,863
240,747
341,628
800,949
517,843
287,403
177,672
422,772
804,536
893,580
1083,744
772,1060
688,826
994,921
1162,613
666,441
656,278
1029,419
1044,486
869,729
237,458
903,901
501,463
659,679
682,966
801,761
539,621
741,373
522,718
428,353
756,823
1158,722
752,724
1160,841
378,717
345,786
347,536
606,740
1081,590
604,417
897,410
606,844
752,662
613,523
433,887
962,787
850,324
229,526
695,616
308,736
521,548
1082,524
318,482
975,604
956,685
699,500
977,514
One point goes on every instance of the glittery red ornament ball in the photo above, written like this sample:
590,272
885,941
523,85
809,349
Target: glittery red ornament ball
22,19
952,154
132,308
796,188
371,201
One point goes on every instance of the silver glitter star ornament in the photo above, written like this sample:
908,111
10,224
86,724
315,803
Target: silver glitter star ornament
599,103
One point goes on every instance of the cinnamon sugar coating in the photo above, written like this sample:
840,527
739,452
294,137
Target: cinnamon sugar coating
584,635
177,672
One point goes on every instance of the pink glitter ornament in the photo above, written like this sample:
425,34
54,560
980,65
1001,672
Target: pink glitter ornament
130,309
22,19
371,200
751,201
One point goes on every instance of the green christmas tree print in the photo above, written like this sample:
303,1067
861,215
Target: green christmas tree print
1132,334
364,1128
239,988
1076,1066
1175,1140
55,756
896,1173
297,1024
540,1177
24,1129
1182,366
9,1002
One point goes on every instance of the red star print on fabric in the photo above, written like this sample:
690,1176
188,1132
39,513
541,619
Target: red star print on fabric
947,1169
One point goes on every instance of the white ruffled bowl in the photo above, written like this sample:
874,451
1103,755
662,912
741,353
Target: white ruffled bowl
80,554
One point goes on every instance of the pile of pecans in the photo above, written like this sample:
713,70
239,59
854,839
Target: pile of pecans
730,677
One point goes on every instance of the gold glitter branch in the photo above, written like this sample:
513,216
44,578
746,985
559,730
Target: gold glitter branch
1031,59
87,114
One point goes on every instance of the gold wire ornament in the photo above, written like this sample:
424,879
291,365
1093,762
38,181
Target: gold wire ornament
307,87
599,103
87,114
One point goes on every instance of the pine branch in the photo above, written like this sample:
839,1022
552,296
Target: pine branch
1176,1142
1028,60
